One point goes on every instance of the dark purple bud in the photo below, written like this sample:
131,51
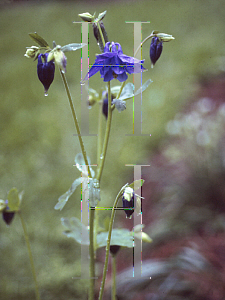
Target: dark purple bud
8,217
155,50
114,249
104,32
98,35
95,31
128,200
105,106
45,71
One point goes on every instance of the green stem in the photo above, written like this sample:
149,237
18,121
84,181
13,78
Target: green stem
99,145
30,256
91,254
107,132
108,241
75,120
113,295
91,221
101,34
145,40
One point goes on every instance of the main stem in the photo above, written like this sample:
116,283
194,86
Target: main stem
91,220
30,256
108,241
107,132
75,120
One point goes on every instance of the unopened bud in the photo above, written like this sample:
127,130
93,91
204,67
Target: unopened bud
87,17
32,52
164,37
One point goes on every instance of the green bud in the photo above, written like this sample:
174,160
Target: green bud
87,17
32,52
163,37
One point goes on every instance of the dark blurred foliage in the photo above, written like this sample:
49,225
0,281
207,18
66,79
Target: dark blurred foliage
184,206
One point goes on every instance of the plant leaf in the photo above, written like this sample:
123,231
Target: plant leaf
127,92
72,47
76,230
64,198
79,161
143,87
121,237
38,39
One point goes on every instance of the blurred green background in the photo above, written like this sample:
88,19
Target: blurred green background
37,147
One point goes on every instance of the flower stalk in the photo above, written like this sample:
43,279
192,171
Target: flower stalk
75,120
30,255
107,132
108,241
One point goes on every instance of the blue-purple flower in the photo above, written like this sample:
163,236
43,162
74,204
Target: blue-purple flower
114,64
45,71
155,49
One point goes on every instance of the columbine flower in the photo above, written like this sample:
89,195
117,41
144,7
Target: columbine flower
155,50
45,71
114,64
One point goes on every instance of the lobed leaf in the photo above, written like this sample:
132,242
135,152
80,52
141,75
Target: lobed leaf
64,198
121,237
76,230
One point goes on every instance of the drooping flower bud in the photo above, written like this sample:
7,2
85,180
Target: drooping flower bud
105,105
8,216
45,71
98,35
155,50
128,199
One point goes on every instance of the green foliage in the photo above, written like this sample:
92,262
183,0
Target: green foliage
39,40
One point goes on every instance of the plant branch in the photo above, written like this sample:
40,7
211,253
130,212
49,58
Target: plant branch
106,139
75,121
108,241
